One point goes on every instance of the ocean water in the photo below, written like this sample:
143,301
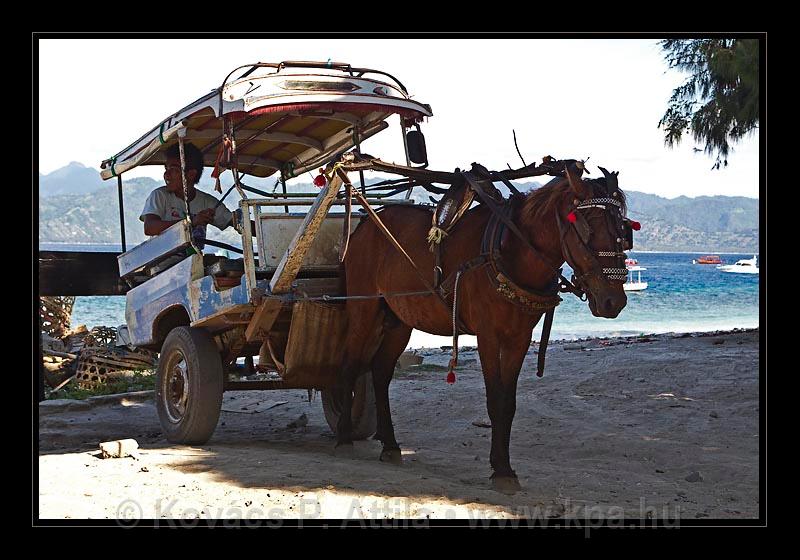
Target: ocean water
681,297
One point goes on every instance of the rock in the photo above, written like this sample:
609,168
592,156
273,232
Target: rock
639,379
713,414
718,341
54,344
482,424
695,477
301,422
119,448
408,359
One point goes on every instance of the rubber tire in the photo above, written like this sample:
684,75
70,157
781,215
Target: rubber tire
364,413
205,378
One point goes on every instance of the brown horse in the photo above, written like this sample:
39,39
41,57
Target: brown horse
574,220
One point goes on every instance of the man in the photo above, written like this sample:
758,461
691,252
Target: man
165,205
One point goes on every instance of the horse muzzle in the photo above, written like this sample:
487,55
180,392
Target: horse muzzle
607,304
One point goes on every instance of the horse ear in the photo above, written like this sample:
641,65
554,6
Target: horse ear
611,178
577,184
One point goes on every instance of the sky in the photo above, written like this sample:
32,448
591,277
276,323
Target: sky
599,99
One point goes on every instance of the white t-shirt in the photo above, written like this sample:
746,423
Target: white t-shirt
167,206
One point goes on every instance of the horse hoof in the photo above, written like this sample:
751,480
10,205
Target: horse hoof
393,456
344,450
506,484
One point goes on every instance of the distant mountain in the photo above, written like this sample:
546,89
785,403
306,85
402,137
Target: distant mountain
74,178
94,217
705,223
75,206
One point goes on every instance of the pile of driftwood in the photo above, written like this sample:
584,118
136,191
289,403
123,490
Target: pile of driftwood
86,357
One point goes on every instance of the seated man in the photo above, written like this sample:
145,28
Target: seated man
165,205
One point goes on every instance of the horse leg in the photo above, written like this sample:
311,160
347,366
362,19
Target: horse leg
501,364
365,324
394,343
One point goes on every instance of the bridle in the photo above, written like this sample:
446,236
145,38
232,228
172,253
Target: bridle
622,230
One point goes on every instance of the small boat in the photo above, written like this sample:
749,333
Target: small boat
743,266
708,259
634,286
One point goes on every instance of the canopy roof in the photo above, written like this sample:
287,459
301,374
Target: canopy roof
290,117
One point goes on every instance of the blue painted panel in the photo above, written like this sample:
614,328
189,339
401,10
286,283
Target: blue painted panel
182,285
172,240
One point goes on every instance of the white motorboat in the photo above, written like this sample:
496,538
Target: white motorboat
632,285
743,266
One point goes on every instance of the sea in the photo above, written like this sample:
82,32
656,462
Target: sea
680,297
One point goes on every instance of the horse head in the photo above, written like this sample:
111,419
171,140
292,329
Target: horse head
594,235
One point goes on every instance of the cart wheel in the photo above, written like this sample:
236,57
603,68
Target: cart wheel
364,413
189,386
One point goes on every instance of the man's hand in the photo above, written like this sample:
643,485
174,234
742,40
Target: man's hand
204,217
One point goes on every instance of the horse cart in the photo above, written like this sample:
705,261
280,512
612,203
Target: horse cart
312,305
283,299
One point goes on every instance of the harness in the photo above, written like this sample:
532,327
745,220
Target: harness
456,202
531,301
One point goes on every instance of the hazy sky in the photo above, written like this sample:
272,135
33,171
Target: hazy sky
569,98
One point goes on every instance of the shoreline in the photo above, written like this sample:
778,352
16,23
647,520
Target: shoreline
670,334
621,339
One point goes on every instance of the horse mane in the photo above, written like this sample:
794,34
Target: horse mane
537,203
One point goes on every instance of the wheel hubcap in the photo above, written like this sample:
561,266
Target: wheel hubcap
175,388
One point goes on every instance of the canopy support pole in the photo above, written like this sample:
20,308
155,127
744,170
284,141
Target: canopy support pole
357,142
283,186
121,214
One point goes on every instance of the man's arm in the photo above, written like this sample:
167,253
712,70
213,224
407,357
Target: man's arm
153,225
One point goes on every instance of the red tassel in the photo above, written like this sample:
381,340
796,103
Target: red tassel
636,226
320,181
451,377
571,217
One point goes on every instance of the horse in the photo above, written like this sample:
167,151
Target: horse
570,219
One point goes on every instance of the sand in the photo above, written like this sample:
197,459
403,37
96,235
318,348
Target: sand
662,426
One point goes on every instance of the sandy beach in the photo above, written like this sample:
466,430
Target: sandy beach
660,426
